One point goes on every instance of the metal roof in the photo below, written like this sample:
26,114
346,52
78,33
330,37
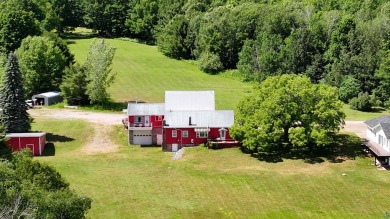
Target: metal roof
189,100
25,135
200,118
140,109
383,122
47,94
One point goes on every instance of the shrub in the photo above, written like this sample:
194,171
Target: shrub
349,89
210,63
362,102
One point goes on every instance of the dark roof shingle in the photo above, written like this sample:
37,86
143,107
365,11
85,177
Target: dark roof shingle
374,122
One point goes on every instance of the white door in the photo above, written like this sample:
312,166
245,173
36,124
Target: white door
159,139
175,147
143,137
147,121
222,134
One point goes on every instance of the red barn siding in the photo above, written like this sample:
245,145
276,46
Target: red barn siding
35,143
213,134
153,119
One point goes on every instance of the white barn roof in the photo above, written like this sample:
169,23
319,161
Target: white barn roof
25,135
189,100
212,118
140,109
48,94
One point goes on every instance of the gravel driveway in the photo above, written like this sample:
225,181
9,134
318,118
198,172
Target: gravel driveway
103,125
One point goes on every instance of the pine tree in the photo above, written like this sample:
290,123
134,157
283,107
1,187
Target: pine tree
14,114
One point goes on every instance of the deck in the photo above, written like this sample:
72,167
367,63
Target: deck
219,144
376,148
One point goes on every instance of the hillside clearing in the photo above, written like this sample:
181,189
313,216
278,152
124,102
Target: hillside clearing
144,74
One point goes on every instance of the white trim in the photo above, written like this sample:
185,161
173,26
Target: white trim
174,133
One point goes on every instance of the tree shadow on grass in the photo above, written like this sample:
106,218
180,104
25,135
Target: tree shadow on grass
345,147
49,150
58,138
69,36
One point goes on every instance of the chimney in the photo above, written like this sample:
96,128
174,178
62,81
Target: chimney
189,121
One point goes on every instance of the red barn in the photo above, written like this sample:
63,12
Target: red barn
35,141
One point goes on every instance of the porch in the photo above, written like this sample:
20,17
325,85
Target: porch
219,144
382,157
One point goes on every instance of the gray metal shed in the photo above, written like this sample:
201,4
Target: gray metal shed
47,98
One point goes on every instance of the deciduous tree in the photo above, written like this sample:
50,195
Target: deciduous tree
73,85
98,68
42,64
288,111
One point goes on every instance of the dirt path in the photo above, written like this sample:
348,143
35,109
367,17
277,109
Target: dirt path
357,127
102,122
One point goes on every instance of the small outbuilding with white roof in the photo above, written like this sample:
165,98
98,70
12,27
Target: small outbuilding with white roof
46,99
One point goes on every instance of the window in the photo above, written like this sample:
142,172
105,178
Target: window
380,140
138,119
201,134
174,133
158,118
185,134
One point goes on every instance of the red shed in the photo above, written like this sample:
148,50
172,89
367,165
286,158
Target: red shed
35,141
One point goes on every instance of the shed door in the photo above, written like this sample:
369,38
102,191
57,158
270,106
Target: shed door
175,147
32,148
143,137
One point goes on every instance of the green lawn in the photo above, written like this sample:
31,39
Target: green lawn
145,183
354,115
144,74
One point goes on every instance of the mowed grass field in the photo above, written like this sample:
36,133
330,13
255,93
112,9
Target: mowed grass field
144,74
137,182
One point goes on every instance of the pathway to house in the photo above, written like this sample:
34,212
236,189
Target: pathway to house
357,127
103,124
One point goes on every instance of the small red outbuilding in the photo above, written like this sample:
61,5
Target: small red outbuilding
35,141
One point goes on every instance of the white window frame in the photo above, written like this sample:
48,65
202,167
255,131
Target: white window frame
202,134
185,133
174,133
138,119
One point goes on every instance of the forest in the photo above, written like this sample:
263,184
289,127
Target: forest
340,43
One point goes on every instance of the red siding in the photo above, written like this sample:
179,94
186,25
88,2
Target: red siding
213,134
35,144
153,119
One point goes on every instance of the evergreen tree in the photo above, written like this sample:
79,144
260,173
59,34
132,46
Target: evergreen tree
14,114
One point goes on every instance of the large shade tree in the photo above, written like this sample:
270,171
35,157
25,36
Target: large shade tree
42,64
14,114
288,111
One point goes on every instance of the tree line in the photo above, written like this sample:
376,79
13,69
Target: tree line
341,43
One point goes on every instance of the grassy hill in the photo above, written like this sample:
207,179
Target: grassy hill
144,74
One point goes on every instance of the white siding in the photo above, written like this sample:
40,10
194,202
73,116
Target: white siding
371,136
384,140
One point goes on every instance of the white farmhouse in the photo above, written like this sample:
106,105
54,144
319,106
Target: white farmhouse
378,133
